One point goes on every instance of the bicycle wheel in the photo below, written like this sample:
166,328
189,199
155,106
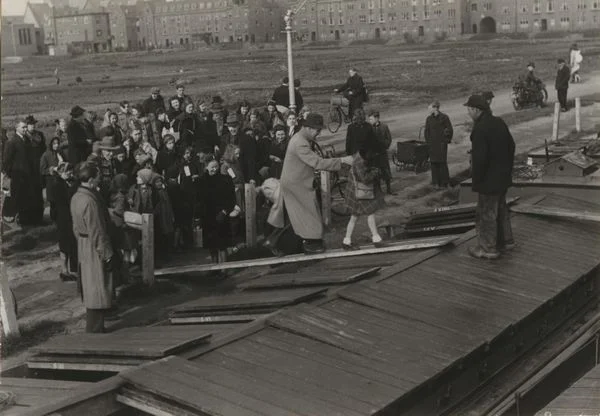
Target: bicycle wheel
335,119
338,201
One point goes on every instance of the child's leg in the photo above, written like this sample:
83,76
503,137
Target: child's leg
373,227
350,229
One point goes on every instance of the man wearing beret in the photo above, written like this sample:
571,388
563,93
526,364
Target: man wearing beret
493,152
297,176
80,146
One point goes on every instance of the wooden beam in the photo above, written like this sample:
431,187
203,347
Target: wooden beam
7,305
556,122
556,212
577,114
148,249
250,214
326,197
116,368
406,245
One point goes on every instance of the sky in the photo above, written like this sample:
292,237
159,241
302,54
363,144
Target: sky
14,7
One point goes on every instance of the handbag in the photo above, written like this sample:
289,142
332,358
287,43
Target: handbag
362,190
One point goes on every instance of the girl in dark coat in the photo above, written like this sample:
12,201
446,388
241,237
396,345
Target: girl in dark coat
364,174
49,163
360,134
218,208
190,128
64,189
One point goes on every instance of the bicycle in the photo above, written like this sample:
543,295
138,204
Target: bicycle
338,182
337,115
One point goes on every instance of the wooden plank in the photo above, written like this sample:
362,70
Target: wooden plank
150,404
37,383
115,344
82,366
406,245
248,300
148,249
557,213
313,279
10,326
180,320
442,227
250,214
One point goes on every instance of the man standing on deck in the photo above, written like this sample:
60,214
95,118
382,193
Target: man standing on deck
493,152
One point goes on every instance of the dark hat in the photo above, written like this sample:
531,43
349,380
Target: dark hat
77,111
232,119
297,83
488,95
155,90
532,64
168,138
314,121
477,101
285,80
30,119
217,99
271,102
374,113
108,143
560,61
279,127
179,85
435,104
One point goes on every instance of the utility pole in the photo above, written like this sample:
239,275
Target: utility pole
14,42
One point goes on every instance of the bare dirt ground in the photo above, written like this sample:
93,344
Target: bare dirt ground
33,274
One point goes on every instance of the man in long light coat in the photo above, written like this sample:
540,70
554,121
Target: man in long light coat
95,252
297,177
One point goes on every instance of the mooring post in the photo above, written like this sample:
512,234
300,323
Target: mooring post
577,114
555,123
250,213
326,197
7,305
148,249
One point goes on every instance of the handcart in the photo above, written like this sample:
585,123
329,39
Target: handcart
412,155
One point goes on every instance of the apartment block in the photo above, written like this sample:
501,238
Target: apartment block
85,32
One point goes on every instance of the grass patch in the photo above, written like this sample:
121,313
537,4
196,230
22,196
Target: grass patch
31,335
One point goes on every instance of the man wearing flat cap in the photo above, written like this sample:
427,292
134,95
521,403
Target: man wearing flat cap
492,153
80,146
297,176
438,134
355,90
153,103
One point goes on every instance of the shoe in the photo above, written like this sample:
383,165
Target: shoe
507,247
112,315
350,247
480,253
276,252
564,110
313,247
67,277
380,244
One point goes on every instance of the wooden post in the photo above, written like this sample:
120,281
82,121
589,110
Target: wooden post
7,305
578,114
555,123
148,249
326,197
250,212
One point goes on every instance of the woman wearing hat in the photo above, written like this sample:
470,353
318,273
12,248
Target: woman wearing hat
49,163
80,146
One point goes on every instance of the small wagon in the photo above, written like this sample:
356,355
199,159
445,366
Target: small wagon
412,155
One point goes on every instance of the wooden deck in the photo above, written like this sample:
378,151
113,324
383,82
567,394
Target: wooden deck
582,398
31,393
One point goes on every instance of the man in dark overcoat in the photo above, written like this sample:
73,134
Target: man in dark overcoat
95,252
563,75
154,102
354,90
38,147
80,146
18,166
493,151
383,136
438,133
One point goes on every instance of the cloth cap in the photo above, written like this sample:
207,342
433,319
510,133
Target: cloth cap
108,143
477,101
145,175
77,111
30,119
435,104
155,90
232,120
314,121
531,64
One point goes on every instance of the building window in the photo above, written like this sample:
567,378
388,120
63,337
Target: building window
98,33
565,7
474,7
451,12
362,18
350,6
536,6
595,5
550,7
487,6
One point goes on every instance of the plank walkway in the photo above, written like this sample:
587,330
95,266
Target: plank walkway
582,398
30,393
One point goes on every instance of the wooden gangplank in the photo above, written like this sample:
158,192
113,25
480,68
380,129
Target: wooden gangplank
582,398
406,245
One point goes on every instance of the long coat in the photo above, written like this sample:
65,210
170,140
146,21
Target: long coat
79,148
49,160
360,136
297,186
492,154
563,76
217,194
90,226
438,133
384,140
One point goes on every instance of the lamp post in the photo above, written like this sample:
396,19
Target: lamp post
288,28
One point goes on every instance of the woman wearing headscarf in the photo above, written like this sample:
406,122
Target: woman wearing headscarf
49,163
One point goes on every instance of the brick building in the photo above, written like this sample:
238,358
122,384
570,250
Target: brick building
125,26
185,22
18,38
85,32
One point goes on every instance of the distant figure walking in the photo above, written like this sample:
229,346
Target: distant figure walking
438,133
493,152
562,83
575,60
